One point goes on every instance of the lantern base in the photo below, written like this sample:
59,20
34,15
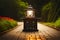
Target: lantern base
30,25
30,30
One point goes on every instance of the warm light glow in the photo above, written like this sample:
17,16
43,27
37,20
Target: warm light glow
29,13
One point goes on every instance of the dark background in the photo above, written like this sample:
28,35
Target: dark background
16,8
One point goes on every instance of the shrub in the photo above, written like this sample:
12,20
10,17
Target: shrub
6,23
57,23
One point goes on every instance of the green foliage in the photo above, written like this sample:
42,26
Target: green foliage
57,23
13,8
47,6
22,4
7,24
49,12
21,8
46,11
51,24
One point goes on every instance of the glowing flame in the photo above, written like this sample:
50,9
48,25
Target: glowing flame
30,13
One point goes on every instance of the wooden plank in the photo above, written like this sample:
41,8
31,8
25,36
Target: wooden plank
45,33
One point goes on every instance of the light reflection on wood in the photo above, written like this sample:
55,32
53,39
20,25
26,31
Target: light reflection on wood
32,37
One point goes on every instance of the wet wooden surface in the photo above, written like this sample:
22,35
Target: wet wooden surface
44,33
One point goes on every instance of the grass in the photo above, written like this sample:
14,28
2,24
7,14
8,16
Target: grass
55,24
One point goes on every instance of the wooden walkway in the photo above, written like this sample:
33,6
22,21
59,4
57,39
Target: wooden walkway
44,33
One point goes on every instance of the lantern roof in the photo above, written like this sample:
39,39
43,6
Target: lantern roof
30,7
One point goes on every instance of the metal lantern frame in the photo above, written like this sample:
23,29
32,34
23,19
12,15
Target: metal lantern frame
30,22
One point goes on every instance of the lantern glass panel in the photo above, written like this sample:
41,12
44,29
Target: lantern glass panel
30,13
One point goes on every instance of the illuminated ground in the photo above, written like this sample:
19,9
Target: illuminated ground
44,33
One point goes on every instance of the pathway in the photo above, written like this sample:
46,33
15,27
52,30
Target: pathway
44,33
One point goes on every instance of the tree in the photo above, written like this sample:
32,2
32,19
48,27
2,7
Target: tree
21,8
50,11
12,8
46,12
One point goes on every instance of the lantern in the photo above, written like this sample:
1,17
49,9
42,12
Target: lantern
30,22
